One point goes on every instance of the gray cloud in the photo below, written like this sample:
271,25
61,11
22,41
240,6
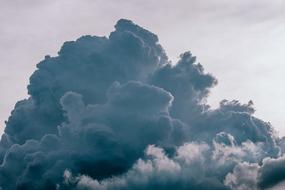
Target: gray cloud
114,113
209,28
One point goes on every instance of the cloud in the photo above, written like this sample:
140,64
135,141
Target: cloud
243,177
269,174
156,172
114,113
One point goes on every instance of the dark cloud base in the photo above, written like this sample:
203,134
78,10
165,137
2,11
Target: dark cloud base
113,113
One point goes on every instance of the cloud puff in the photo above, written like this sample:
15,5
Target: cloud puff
191,167
269,174
158,171
114,113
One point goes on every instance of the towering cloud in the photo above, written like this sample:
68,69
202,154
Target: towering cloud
112,113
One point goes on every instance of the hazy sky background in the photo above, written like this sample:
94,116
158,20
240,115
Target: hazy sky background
240,42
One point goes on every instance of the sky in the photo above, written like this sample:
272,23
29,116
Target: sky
239,42
111,112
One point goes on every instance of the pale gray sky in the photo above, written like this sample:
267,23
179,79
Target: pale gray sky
239,42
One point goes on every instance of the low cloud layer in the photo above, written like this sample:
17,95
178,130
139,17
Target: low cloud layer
111,113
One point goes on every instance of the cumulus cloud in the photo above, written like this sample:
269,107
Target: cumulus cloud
114,113
158,171
269,174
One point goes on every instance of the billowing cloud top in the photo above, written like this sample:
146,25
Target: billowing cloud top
112,113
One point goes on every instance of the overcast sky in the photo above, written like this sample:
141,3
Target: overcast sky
240,42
